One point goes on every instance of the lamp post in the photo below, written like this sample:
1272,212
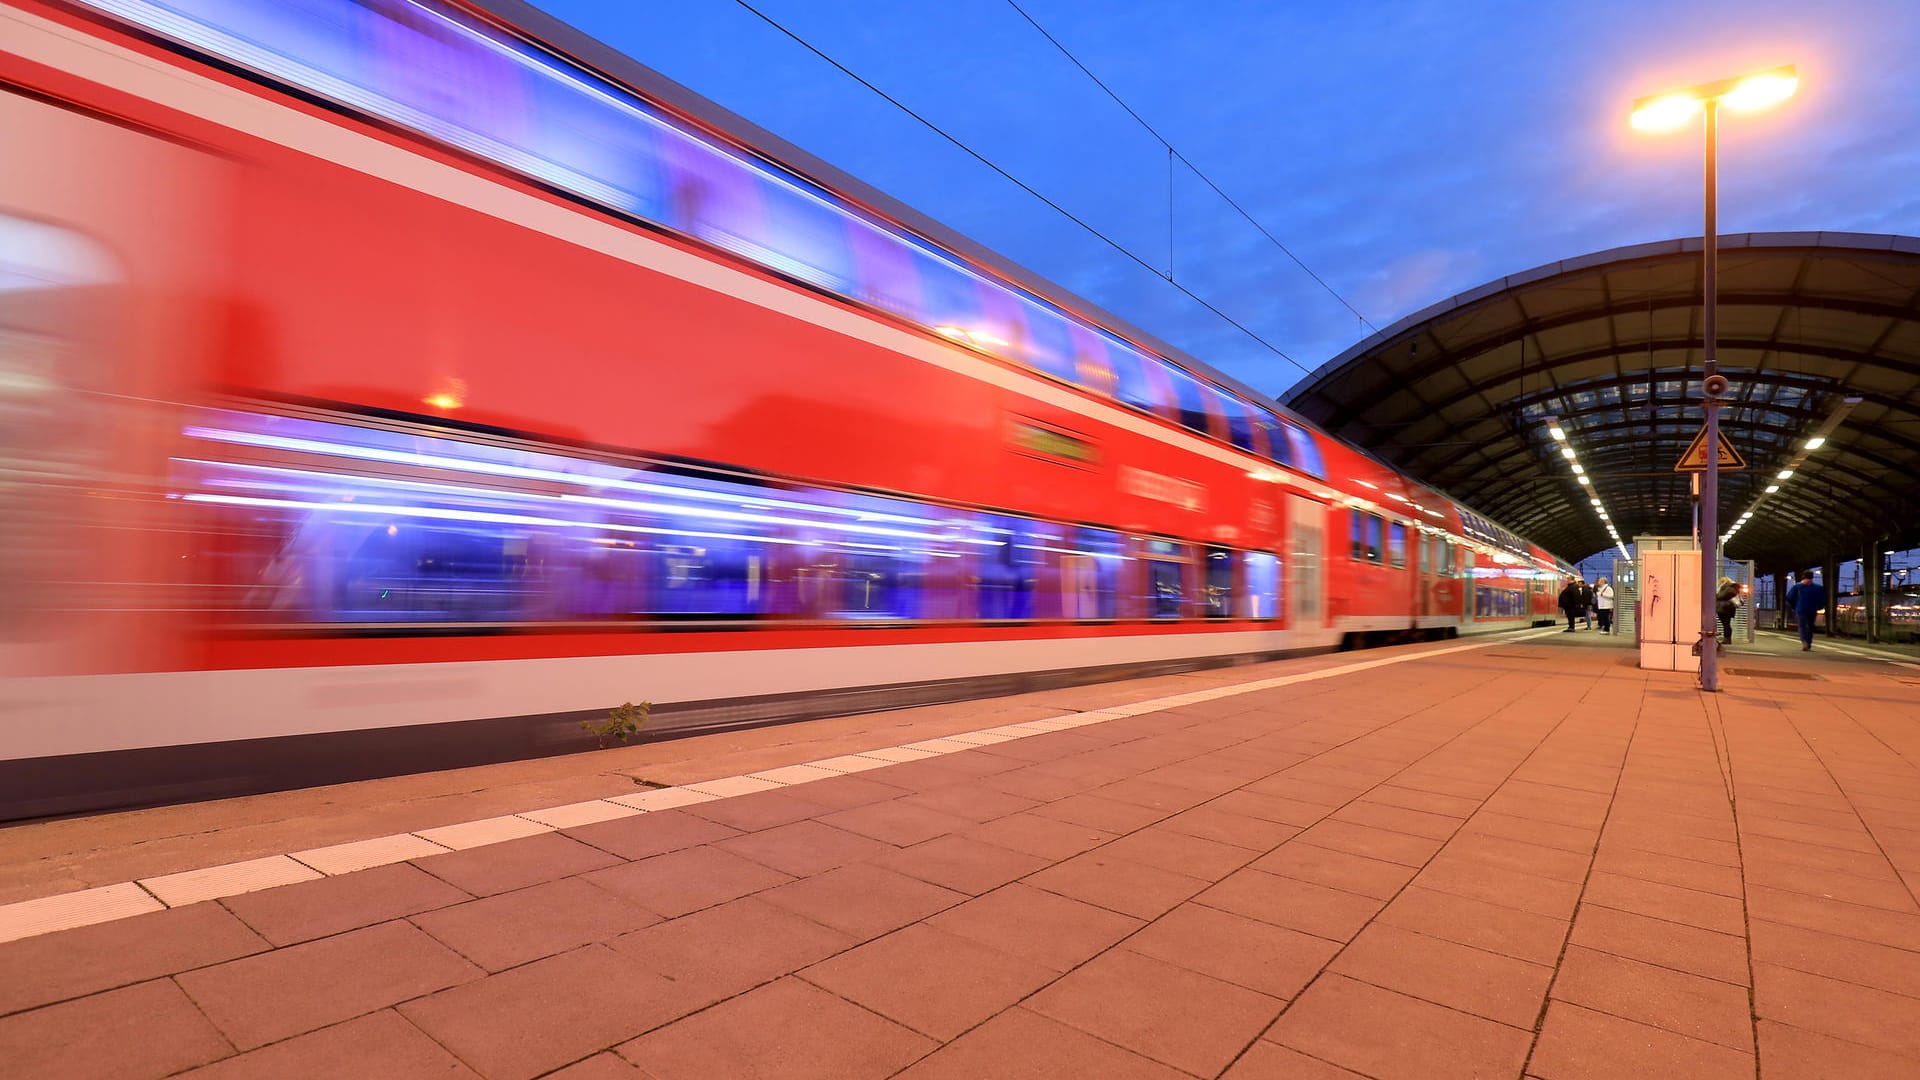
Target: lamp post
1667,112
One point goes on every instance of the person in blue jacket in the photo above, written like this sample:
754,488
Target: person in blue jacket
1806,599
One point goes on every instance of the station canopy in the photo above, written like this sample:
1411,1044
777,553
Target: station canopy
1817,332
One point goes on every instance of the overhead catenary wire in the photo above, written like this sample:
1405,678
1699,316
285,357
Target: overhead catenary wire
1174,152
1251,334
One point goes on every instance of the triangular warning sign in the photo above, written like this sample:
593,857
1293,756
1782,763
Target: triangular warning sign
1695,459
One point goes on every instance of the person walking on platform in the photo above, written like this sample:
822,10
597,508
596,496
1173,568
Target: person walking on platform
1586,604
1603,605
1806,599
1570,602
1726,600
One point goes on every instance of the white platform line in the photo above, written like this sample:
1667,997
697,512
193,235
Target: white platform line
63,911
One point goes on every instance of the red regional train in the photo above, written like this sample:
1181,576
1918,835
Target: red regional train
390,384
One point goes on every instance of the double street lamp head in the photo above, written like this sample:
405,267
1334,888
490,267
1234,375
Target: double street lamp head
1746,93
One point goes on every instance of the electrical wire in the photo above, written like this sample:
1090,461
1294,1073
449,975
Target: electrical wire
1184,160
1022,185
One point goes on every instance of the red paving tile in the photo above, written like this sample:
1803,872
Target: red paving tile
1499,885
1259,956
1194,856
311,909
1878,966
685,881
1690,1005
1297,905
1402,848
1897,929
760,810
936,983
607,1066
1210,823
1445,973
787,1030
1789,1053
897,822
261,999
1580,1044
1489,850
1466,921
1336,869
864,901
1580,841
1708,911
960,863
1170,1014
971,801
533,1019
1271,1061
1116,884
1049,929
804,847
1022,1045
1657,941
381,1044
135,1032
847,792
499,932
722,951
54,967
1040,836
515,864
650,834
1842,1010
1395,1037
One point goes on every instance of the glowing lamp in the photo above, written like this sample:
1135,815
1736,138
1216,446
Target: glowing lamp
1666,112
1758,91
1816,442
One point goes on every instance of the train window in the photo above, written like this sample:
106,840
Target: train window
1358,549
1279,450
1397,544
1263,585
1008,569
1166,586
1376,546
1090,562
1239,423
1132,385
1093,361
335,523
1219,583
1049,346
1189,400
1304,454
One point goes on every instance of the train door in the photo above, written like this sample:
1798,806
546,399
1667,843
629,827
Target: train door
1306,585
1423,581
1469,590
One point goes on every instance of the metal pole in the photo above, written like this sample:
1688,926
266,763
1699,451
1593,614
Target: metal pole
1710,486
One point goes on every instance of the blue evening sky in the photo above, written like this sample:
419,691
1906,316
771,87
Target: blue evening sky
1406,150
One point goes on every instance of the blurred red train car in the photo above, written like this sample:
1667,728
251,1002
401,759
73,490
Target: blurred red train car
392,384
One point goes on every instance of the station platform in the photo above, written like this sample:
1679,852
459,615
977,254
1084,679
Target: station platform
1519,856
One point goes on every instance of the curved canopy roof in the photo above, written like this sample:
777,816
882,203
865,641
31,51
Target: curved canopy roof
1817,332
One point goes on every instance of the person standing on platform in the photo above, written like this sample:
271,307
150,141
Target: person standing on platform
1570,602
1586,604
1806,599
1603,605
1726,600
